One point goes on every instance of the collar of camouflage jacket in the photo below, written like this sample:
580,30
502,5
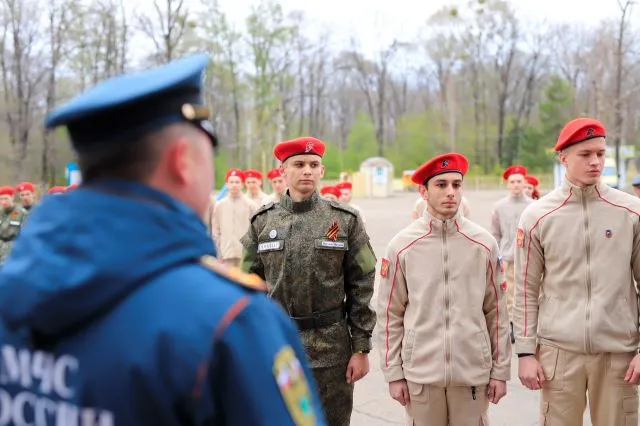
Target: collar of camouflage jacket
298,206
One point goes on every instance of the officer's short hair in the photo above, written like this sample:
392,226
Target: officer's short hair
136,160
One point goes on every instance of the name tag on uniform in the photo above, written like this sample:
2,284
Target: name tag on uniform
271,246
323,243
14,223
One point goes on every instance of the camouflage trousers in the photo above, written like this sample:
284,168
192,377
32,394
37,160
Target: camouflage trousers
335,393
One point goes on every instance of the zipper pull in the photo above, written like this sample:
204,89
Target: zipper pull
473,392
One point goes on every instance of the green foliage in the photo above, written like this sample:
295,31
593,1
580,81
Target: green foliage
221,163
555,111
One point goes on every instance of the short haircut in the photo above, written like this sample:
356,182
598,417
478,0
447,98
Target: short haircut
133,160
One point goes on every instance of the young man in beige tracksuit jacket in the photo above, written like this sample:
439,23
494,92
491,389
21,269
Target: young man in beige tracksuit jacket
579,246
445,349
504,221
231,219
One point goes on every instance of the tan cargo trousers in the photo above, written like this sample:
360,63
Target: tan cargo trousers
452,406
571,377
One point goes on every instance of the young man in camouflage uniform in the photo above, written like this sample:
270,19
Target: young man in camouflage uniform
27,193
316,254
11,218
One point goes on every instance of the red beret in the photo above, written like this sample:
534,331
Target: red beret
532,180
26,186
579,130
330,190
252,174
345,185
234,172
57,190
305,145
514,170
445,163
7,190
274,173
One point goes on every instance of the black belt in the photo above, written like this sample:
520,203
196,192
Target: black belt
321,319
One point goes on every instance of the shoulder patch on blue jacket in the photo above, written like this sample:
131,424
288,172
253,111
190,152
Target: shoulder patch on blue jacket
233,274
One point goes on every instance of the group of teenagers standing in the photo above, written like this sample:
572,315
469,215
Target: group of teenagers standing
153,328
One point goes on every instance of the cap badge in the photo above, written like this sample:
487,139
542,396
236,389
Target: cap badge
591,131
273,233
445,163
308,147
332,233
608,233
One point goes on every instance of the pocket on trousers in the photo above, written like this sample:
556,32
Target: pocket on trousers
630,408
618,365
418,392
550,361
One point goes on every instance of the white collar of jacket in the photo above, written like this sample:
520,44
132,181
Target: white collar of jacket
588,192
439,226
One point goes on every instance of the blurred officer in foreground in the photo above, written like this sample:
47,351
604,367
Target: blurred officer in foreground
444,347
579,246
114,311
316,254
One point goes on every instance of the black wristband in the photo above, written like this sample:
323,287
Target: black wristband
523,355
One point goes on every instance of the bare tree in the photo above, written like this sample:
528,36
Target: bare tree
22,73
166,28
373,81
625,10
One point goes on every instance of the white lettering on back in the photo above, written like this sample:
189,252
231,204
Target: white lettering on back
23,369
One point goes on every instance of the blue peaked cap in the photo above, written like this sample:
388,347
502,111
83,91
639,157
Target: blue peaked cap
635,181
121,109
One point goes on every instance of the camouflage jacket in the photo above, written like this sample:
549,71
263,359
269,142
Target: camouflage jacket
10,224
317,257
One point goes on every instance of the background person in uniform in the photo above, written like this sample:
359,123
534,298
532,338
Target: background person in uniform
27,193
12,217
580,247
445,349
531,187
504,221
345,188
278,184
253,182
635,182
113,284
231,219
316,255
330,192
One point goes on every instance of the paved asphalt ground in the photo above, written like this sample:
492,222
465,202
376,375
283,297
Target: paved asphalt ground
373,406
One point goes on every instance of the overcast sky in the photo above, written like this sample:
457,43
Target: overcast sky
375,23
